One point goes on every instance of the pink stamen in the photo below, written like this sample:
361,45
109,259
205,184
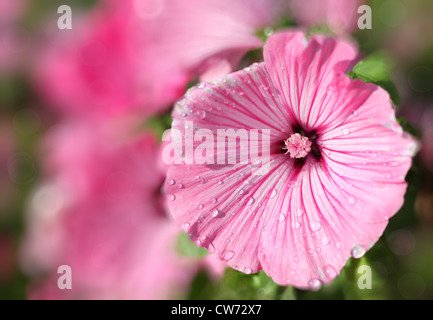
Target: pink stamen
297,146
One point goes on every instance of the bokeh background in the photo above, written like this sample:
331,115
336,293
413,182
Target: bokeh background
82,114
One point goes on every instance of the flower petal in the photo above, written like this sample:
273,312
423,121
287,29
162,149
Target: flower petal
309,74
243,100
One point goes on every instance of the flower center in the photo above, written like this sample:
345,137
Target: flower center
297,146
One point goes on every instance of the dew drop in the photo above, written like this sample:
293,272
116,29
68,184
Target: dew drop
201,114
220,182
346,131
296,225
315,284
299,213
227,255
215,213
248,270
200,206
202,85
250,201
170,182
352,200
357,252
315,225
172,197
281,218
273,194
330,271
325,241
213,200
186,226
179,185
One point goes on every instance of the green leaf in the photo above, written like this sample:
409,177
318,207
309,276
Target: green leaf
289,293
188,248
159,123
375,69
236,285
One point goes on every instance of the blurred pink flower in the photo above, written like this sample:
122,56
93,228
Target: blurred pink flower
207,37
100,214
104,67
303,218
138,56
341,16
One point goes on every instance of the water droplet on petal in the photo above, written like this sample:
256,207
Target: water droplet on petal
281,218
170,182
273,194
357,252
227,255
200,206
315,225
186,226
213,200
314,284
250,201
352,200
325,241
248,270
330,271
299,213
201,114
296,225
346,131
172,197
215,213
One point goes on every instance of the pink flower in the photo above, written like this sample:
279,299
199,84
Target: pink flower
99,212
138,56
209,38
103,68
341,16
303,218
